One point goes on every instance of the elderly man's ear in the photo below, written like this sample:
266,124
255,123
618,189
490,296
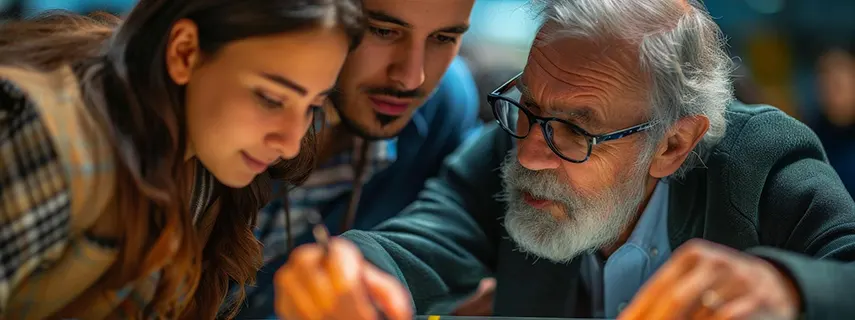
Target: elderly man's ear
677,145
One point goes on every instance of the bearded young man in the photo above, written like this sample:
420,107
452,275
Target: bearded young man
631,185
403,102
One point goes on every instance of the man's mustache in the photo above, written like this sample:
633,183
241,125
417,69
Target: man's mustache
401,94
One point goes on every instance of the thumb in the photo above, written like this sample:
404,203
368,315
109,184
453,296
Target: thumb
480,303
389,295
487,286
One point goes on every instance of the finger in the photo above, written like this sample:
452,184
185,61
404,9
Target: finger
282,303
746,307
307,262
730,287
487,286
344,265
479,303
294,308
657,286
354,305
708,312
685,295
391,297
285,311
292,300
316,282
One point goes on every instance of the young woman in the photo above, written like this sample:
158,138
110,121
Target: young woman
134,157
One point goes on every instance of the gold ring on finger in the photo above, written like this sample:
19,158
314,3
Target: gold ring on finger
711,299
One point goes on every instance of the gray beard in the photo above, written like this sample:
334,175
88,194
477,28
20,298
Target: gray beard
594,222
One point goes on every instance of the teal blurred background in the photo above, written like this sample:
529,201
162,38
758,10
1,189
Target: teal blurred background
777,41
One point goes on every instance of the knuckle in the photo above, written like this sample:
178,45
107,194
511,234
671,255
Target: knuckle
678,299
721,263
676,302
755,300
301,253
745,275
343,243
283,277
696,243
694,248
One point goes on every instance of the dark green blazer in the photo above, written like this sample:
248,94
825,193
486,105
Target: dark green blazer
767,189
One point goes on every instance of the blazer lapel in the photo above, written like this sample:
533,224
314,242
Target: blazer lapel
692,215
532,287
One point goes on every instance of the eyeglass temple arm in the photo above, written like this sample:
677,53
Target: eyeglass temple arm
622,133
507,85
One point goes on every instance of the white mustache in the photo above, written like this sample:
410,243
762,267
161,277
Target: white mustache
596,221
543,184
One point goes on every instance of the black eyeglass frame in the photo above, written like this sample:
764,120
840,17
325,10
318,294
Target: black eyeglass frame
499,94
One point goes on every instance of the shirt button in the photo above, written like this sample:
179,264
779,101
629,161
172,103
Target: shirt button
654,252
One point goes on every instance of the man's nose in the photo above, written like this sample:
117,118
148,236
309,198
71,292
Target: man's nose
534,154
407,70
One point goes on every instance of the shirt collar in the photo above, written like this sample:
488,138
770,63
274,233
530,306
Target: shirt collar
418,123
339,169
651,226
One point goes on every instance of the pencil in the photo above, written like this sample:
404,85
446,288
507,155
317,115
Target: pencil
320,232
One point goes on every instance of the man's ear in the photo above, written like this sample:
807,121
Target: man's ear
182,51
677,145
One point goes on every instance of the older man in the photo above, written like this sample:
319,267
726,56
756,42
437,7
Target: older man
631,185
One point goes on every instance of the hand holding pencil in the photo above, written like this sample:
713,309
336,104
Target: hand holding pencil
330,280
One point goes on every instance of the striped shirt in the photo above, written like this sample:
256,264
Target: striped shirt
327,182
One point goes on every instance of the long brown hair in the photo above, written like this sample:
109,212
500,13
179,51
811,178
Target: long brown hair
123,77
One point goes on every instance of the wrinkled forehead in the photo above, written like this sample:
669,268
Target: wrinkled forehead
566,73
581,61
568,51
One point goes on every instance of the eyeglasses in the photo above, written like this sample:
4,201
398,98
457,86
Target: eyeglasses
567,140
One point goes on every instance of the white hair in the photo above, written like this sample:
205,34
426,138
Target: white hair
681,50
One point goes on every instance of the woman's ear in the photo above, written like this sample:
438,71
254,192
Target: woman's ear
182,51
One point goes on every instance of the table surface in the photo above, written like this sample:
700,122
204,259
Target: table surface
488,318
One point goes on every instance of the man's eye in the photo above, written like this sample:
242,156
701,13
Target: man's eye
445,39
381,33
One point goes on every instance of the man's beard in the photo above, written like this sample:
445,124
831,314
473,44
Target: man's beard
592,222
337,98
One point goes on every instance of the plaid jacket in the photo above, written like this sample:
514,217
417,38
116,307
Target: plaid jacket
57,215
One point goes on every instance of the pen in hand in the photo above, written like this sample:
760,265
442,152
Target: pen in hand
322,238
320,232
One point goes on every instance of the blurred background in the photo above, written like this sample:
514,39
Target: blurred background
794,54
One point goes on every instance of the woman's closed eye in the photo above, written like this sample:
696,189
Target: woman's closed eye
268,100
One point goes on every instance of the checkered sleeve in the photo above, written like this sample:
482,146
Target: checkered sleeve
34,198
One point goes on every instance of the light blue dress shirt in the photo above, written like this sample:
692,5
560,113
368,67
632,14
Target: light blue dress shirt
612,283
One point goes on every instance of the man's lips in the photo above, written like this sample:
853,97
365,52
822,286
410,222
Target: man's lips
537,203
390,106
